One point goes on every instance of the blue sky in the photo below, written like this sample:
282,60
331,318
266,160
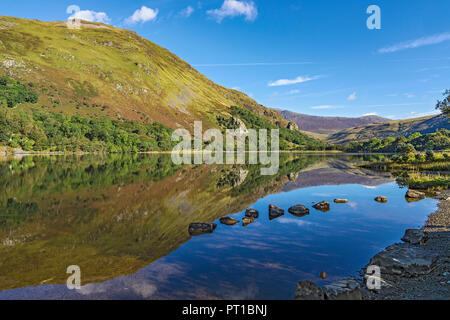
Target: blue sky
316,57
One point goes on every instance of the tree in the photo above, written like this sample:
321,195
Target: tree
444,105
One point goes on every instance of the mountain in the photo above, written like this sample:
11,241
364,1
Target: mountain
328,125
100,70
391,129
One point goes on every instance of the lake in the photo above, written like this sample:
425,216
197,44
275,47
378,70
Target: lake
124,221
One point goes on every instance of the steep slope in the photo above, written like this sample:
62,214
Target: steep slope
327,125
392,129
100,71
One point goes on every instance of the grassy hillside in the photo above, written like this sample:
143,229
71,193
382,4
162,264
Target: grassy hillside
392,129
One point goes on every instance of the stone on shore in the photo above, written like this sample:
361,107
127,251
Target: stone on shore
251,213
405,260
197,228
413,195
322,206
348,289
247,220
415,236
340,200
381,199
228,221
308,290
275,212
299,210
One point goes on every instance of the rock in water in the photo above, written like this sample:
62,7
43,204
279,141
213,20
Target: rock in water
323,275
275,212
307,290
348,289
197,228
340,200
413,195
415,236
247,220
381,199
406,260
228,221
299,210
322,206
251,213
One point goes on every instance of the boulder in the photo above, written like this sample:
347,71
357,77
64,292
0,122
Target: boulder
197,228
381,199
323,275
292,126
322,206
406,260
299,210
348,289
275,212
228,221
251,213
415,236
340,200
247,220
307,290
414,195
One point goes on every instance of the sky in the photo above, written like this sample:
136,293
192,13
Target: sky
316,57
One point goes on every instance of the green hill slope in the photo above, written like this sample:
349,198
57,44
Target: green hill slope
391,129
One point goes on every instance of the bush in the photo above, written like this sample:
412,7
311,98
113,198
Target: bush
12,92
430,155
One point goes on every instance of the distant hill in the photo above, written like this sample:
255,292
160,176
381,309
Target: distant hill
392,129
328,125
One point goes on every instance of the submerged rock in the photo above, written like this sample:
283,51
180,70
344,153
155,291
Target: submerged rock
340,200
275,212
307,290
413,195
228,221
348,289
406,260
251,213
415,236
381,199
322,206
247,220
197,228
299,210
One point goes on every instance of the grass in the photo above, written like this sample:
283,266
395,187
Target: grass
426,181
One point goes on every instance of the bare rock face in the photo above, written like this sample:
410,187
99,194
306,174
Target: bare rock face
348,289
196,228
414,195
322,206
292,126
251,213
299,210
307,290
228,221
275,212
415,236
381,199
406,260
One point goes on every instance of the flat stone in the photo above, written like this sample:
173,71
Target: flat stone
340,200
322,206
228,221
251,213
414,194
381,199
406,260
275,212
307,290
415,236
247,220
299,210
348,289
197,228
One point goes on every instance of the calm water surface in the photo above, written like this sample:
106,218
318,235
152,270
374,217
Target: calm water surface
124,221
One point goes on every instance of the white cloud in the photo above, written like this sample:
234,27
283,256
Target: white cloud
234,8
410,96
352,96
370,114
88,15
187,12
425,41
324,107
286,82
295,91
143,14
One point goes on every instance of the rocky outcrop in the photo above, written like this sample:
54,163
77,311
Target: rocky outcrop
308,290
348,289
299,210
292,126
275,212
415,236
381,199
413,195
322,206
340,200
196,228
228,221
251,213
